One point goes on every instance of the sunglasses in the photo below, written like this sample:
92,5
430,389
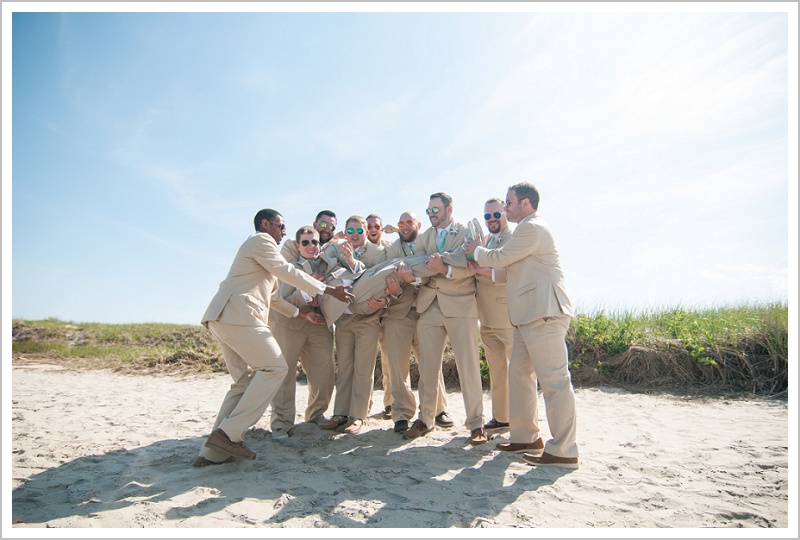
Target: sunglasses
304,243
281,226
434,210
373,227
326,225
496,215
406,223
351,230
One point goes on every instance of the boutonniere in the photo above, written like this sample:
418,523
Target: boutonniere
454,230
359,251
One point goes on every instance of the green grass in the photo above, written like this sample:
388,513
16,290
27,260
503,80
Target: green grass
732,348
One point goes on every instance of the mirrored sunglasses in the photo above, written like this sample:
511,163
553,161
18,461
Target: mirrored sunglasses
496,215
351,230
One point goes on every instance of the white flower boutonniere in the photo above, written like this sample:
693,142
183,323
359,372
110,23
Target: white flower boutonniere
454,230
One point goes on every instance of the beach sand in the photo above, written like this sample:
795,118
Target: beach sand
98,449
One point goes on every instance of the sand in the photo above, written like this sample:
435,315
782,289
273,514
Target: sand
96,449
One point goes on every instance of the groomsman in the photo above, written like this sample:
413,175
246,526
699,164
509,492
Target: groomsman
447,307
238,316
399,326
497,333
541,312
375,235
295,335
356,338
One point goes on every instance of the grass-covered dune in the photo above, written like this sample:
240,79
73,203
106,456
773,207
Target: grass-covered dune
743,349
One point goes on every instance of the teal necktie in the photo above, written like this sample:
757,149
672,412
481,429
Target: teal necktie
411,247
440,240
490,244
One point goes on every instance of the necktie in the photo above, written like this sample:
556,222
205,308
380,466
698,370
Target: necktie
411,247
440,240
490,244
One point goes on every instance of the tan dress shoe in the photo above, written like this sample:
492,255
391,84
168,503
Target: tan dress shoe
220,440
354,426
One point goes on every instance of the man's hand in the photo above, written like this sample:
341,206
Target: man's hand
404,272
377,303
478,269
393,285
470,244
318,277
341,293
347,254
390,229
436,264
312,316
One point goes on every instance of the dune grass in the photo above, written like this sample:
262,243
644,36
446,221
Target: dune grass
727,349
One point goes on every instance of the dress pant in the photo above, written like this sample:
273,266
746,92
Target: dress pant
497,343
540,351
257,366
385,375
316,341
356,352
433,328
400,340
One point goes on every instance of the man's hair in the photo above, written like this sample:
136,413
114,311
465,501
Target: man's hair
375,216
267,213
328,213
305,229
526,190
356,218
494,200
446,199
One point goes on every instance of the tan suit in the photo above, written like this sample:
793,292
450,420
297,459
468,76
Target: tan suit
399,326
447,307
356,338
312,345
497,332
238,317
540,311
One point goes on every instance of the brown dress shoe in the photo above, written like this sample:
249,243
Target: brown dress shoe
387,413
478,436
534,448
334,422
494,424
354,426
550,460
203,462
220,440
417,428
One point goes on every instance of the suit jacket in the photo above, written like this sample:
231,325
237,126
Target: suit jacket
400,306
456,295
245,296
535,285
491,295
293,295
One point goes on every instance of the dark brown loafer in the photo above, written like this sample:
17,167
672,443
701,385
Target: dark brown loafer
494,424
550,460
535,448
443,420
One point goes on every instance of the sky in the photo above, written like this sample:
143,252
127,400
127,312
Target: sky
143,142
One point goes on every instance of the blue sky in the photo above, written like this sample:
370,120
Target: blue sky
663,144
